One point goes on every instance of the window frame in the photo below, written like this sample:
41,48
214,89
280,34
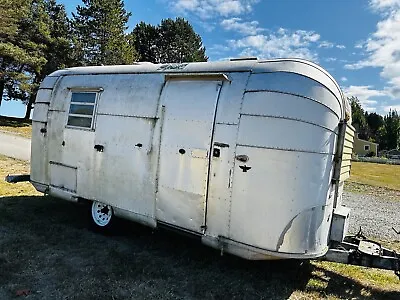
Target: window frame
93,116
367,146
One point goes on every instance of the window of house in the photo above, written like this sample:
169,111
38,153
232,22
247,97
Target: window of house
81,110
366,147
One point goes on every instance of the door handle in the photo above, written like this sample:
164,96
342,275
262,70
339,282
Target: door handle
242,158
99,148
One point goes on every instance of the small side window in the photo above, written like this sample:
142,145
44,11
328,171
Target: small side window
81,110
366,147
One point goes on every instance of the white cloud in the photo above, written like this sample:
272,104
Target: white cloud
391,107
344,79
383,5
325,44
206,9
330,59
282,43
359,45
246,28
383,46
366,94
355,66
329,45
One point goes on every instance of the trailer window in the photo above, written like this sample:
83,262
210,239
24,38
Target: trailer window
81,109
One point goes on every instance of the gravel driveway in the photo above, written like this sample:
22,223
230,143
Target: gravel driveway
374,214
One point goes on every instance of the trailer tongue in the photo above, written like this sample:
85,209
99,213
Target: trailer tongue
360,251
17,178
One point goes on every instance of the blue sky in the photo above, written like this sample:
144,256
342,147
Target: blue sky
357,41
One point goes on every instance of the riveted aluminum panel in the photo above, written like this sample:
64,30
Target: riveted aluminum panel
285,134
131,95
220,186
297,85
279,186
43,96
195,67
125,94
55,134
40,112
289,106
122,172
78,151
39,148
72,147
304,68
48,82
188,120
231,97
63,176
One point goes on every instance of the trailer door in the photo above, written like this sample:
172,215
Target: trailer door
188,113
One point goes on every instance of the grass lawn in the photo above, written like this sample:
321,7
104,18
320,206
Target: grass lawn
380,175
375,179
16,126
48,251
15,167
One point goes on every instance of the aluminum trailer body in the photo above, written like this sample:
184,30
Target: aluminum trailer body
250,155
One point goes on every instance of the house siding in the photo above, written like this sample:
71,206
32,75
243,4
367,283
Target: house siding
359,147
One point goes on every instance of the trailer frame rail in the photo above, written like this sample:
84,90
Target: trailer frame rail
360,251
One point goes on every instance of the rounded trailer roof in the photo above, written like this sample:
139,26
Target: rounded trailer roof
291,65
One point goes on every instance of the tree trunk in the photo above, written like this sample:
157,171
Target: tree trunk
2,84
29,106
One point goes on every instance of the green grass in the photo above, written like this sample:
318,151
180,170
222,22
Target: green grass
14,167
16,126
378,175
47,248
374,179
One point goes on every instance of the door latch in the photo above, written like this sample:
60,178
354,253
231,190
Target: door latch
216,152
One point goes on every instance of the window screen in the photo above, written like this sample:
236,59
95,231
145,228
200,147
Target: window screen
81,110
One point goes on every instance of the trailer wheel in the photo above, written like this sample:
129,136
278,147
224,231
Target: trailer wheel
102,215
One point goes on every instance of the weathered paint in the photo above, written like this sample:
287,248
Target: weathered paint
241,152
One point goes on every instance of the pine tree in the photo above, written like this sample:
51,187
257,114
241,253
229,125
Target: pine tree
57,50
146,39
179,42
20,51
358,118
100,27
173,41
392,129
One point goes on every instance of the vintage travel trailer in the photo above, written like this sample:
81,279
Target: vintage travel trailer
250,155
